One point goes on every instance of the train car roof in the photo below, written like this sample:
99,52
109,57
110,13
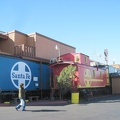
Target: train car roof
61,62
26,58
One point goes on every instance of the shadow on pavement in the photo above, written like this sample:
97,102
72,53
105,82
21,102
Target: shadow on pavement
48,103
44,110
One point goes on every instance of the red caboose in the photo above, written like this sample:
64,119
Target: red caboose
86,76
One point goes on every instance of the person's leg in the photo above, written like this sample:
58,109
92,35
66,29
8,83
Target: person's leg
23,105
18,107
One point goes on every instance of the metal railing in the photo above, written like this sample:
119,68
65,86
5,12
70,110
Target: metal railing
24,50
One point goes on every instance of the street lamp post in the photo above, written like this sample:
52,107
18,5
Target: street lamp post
57,48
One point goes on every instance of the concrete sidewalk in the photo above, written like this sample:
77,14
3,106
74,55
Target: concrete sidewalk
39,103
64,102
105,108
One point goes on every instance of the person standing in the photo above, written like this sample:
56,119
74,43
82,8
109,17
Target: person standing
21,95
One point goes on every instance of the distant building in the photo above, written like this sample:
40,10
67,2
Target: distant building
116,65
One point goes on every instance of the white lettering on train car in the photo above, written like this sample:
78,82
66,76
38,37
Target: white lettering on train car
20,73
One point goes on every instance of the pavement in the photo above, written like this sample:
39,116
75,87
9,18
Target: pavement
39,103
100,108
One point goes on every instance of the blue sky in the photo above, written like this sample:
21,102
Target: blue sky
89,25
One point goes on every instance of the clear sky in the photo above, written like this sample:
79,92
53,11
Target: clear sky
91,26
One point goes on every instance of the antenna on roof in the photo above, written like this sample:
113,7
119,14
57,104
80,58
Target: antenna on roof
106,56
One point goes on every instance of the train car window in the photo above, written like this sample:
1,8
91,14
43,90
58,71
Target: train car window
93,73
77,59
100,74
85,58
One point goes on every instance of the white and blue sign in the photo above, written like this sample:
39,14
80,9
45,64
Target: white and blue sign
14,71
21,73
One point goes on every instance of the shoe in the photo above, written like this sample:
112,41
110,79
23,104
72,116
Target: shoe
16,109
23,110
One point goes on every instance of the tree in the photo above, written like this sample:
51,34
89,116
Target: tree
64,80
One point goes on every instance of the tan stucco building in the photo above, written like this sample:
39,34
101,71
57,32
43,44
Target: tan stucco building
32,45
115,80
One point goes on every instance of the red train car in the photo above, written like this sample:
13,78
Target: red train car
86,76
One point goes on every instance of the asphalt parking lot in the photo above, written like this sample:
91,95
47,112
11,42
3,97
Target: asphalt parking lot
101,108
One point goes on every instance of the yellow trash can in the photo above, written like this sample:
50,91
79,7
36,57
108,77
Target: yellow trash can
75,98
